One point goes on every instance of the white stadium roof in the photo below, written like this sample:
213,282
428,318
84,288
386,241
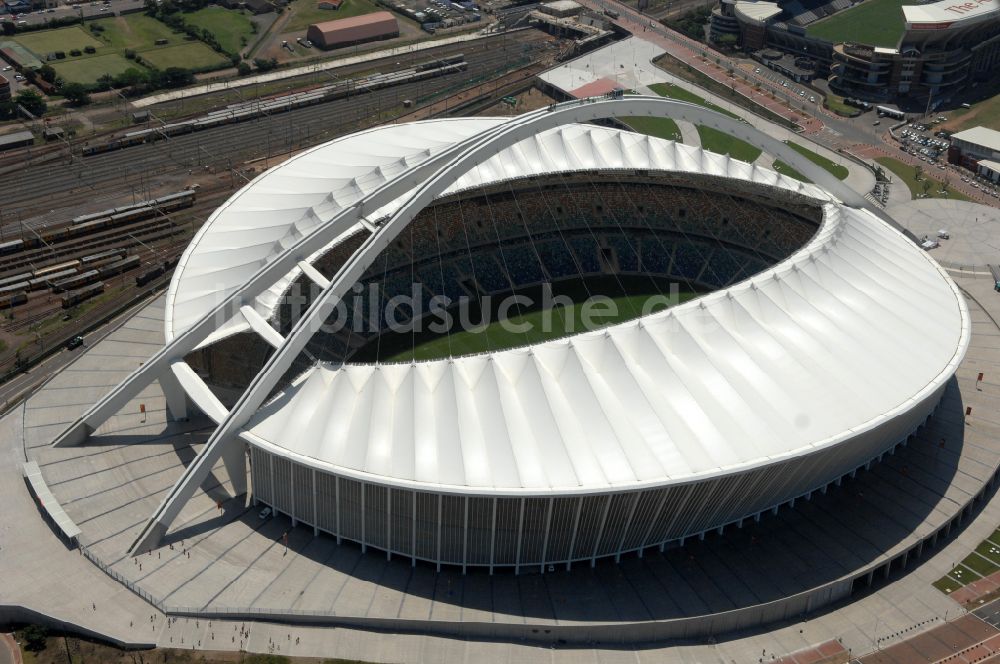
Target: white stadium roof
758,11
857,326
287,201
943,14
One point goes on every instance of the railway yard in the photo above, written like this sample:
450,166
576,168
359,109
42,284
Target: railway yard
58,277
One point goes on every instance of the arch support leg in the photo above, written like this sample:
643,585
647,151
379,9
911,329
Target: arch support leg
177,400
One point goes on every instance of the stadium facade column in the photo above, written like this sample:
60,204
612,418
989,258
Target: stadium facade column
576,528
234,459
315,510
548,530
493,535
177,399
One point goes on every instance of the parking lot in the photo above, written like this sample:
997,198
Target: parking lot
789,86
929,144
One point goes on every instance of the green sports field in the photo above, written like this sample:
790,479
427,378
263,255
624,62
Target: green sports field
233,29
540,326
489,326
135,31
88,70
188,55
43,42
115,35
873,22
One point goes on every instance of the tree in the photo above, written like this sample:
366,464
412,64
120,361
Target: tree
75,93
34,635
244,68
48,74
926,187
918,173
265,65
131,77
31,101
105,81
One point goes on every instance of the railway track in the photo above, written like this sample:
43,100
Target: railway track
38,188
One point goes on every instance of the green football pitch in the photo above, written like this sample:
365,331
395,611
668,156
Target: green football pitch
498,326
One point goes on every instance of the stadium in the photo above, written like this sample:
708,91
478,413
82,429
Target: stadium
755,352
876,50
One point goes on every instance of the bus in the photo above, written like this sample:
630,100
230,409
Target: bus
884,111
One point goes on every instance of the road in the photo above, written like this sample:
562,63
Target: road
9,653
83,9
990,613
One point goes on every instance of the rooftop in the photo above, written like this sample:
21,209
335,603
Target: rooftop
562,5
354,21
758,11
943,13
988,138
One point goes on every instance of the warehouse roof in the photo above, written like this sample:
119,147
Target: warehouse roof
984,136
354,21
16,139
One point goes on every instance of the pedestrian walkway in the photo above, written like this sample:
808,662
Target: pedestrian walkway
280,74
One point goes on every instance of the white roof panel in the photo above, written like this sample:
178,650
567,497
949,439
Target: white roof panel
849,330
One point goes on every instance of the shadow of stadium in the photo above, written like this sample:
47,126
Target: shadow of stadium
818,541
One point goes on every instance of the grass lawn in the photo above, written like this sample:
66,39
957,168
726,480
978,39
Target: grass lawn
62,39
947,585
908,174
88,70
962,574
836,104
135,31
980,565
189,55
984,113
229,26
658,127
714,140
682,94
785,169
711,139
305,13
985,560
838,171
873,22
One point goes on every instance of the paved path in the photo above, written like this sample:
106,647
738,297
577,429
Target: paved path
974,229
280,74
